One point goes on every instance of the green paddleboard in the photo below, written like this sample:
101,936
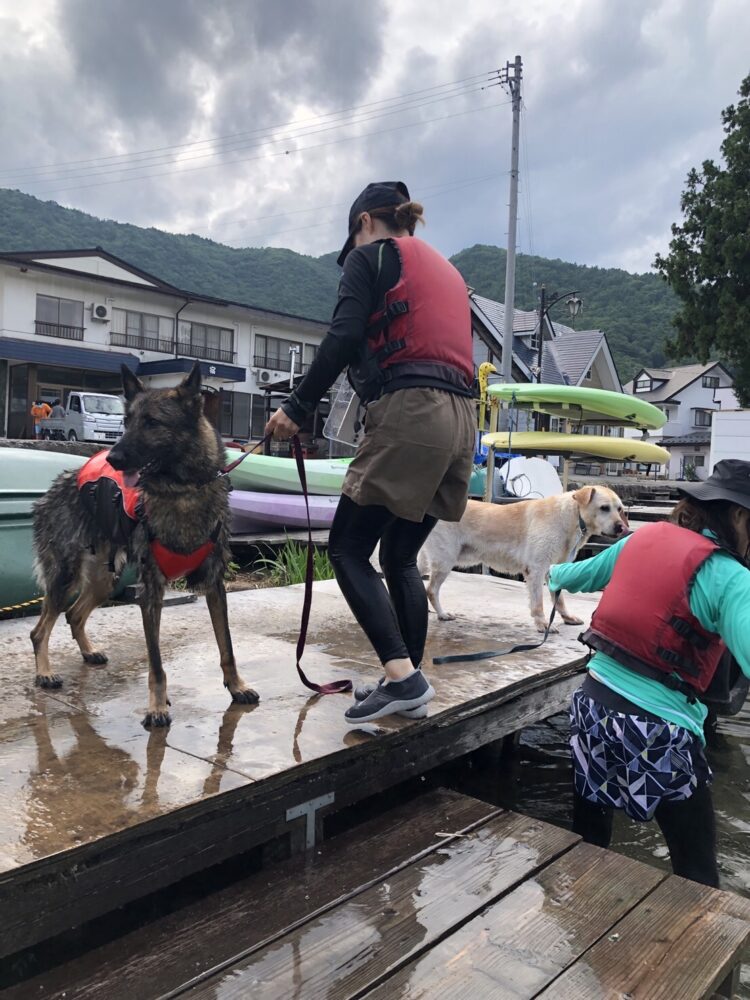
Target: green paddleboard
270,474
587,406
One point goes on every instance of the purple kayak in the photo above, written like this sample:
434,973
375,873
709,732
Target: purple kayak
254,511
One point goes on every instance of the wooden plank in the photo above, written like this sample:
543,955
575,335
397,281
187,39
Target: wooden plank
682,941
159,957
350,948
519,945
63,891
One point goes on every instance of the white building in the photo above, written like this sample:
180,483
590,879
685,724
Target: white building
689,396
69,319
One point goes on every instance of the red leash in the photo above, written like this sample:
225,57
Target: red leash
334,687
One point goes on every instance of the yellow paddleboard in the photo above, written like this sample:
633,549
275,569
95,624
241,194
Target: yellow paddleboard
616,449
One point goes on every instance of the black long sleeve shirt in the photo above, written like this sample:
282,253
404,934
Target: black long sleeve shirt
362,291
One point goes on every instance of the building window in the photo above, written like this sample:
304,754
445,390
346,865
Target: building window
242,415
698,460
257,416
587,376
643,384
200,340
59,317
274,353
143,331
710,381
702,418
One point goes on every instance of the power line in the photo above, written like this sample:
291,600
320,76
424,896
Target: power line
272,153
464,83
116,169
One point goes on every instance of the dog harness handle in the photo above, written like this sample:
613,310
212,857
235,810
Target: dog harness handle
333,687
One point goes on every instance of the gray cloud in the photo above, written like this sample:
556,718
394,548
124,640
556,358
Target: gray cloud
620,100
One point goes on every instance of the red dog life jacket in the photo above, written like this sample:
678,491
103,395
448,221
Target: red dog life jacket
116,508
644,619
424,328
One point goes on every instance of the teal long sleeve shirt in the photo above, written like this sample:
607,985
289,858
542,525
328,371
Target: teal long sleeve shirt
719,599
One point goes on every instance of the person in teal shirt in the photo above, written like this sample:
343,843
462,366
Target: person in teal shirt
636,737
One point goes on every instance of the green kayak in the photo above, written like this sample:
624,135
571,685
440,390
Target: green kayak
270,474
588,406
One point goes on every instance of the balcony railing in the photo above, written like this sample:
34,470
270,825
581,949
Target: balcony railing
278,364
58,330
139,343
206,353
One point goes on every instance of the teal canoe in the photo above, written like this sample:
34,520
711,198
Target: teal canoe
588,406
25,475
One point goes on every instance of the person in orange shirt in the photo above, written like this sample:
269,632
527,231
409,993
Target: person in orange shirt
39,411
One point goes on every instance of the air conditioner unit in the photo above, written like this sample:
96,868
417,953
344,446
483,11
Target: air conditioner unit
101,312
264,377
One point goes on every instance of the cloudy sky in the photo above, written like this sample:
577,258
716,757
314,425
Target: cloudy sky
256,122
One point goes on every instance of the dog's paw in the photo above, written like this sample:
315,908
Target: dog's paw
572,620
245,697
446,617
96,658
542,627
48,680
155,719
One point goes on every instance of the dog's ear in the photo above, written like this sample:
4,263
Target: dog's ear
584,496
191,384
131,384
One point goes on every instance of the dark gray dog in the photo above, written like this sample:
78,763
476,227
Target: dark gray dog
170,520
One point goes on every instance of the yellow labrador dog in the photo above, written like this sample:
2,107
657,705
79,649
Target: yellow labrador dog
526,538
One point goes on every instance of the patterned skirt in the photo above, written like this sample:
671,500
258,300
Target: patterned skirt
630,762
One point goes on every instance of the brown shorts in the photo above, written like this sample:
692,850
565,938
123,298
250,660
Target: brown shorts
416,456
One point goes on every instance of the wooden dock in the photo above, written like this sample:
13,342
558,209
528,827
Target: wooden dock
96,813
441,897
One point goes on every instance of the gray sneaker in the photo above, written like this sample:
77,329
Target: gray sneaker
392,698
363,691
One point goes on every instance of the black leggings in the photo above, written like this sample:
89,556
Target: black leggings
689,828
396,625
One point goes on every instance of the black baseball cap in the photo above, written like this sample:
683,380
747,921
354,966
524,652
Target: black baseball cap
379,194
730,480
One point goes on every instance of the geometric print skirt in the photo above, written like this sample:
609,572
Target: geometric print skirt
630,762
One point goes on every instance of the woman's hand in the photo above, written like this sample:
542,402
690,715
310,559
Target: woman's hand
281,426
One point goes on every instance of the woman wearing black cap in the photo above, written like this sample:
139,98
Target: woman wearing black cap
677,597
402,325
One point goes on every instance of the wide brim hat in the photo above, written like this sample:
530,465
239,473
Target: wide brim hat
730,480
380,194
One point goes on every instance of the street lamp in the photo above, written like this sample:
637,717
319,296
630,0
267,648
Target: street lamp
574,303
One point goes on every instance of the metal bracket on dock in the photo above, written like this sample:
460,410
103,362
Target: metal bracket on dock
308,810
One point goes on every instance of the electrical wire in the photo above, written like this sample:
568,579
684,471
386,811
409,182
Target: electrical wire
488,75
273,153
264,137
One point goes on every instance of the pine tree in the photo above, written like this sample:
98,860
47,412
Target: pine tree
708,265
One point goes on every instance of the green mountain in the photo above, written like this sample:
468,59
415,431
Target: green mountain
634,310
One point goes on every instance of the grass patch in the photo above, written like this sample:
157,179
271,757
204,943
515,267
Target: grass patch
290,565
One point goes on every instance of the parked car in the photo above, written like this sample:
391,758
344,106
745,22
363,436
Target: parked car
89,416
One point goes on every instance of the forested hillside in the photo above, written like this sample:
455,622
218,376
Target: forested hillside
633,309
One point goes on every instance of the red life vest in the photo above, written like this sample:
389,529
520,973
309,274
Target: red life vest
425,325
116,509
644,619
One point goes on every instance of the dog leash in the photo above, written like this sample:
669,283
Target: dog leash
521,647
333,687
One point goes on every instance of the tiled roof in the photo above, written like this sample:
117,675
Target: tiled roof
575,352
695,437
676,379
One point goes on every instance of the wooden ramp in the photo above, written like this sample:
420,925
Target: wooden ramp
96,813
445,897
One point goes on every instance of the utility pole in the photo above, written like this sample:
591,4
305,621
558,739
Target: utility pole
512,78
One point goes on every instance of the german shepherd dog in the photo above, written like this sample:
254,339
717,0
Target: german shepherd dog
174,456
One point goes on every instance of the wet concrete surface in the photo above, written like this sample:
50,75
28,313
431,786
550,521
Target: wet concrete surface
76,764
